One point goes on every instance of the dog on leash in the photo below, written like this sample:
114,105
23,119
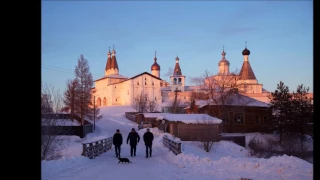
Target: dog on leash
124,160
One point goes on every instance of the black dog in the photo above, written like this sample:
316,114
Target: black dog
124,160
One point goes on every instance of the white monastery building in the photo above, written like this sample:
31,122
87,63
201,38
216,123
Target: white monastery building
115,89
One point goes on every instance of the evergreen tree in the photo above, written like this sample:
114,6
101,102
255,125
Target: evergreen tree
84,106
70,96
280,101
302,112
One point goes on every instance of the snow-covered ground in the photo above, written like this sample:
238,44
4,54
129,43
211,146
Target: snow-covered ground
225,161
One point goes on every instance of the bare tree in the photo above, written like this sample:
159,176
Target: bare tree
52,127
140,103
83,89
152,106
219,91
70,95
193,109
176,105
208,135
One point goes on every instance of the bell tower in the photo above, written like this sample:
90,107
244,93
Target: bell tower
177,79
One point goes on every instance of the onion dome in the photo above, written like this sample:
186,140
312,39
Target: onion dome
155,65
223,61
246,51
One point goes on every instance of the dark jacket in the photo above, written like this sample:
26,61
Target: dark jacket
117,139
148,138
133,137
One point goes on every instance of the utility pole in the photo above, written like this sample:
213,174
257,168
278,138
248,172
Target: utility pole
94,112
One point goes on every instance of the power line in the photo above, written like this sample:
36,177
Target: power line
58,69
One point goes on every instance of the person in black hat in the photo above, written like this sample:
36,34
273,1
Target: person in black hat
148,138
134,138
117,142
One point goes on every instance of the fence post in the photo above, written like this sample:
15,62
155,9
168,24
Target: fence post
179,148
84,149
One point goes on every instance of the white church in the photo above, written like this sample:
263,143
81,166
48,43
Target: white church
115,89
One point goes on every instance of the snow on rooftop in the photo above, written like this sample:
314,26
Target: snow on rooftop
234,100
191,118
154,115
60,122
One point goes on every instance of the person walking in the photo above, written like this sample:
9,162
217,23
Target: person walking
148,138
117,142
134,138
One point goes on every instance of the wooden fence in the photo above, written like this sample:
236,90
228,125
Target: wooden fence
240,140
131,115
94,149
175,147
80,131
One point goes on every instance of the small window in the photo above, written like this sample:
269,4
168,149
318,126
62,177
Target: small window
137,83
116,99
238,118
175,81
265,119
115,87
257,120
145,78
145,83
155,98
152,83
225,118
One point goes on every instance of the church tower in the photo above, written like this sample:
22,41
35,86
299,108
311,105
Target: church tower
155,68
223,64
177,79
247,81
112,65
246,74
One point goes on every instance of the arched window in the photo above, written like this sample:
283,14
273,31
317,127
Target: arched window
179,80
175,81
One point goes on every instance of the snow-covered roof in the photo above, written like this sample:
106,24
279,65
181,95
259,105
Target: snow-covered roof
186,88
235,100
60,122
154,115
191,118
264,90
168,103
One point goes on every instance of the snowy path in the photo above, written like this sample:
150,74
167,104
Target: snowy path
226,161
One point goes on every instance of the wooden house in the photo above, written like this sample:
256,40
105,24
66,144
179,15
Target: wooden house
240,114
191,127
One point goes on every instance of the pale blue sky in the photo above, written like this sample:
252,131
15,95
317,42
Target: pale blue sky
279,36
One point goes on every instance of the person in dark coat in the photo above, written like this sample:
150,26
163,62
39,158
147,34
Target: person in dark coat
117,142
134,138
148,138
